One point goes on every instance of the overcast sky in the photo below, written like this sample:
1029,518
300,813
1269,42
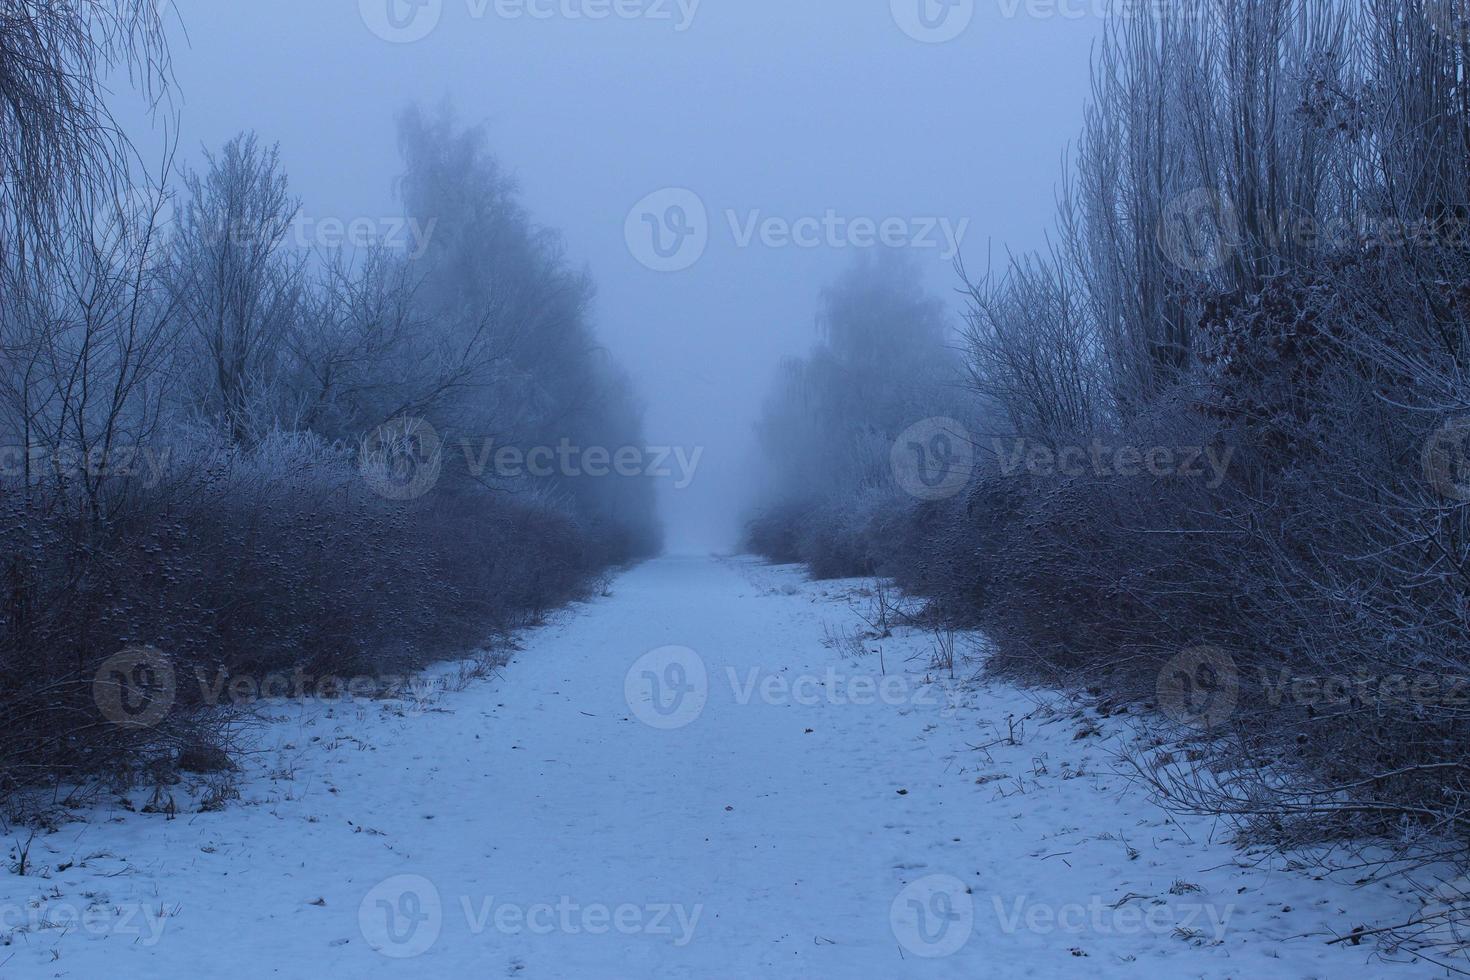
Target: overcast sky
860,116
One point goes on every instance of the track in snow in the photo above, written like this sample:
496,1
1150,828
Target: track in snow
681,779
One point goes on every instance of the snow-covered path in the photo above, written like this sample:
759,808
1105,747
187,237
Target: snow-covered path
602,810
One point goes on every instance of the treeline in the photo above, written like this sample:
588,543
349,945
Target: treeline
228,449
1210,450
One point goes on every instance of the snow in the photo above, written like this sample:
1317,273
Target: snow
684,778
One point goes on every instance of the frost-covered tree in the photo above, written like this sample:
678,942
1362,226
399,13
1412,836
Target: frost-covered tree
509,320
237,283
61,153
882,363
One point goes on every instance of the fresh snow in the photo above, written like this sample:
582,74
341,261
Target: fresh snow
683,778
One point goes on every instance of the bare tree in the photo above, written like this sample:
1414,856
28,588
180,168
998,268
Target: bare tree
237,285
60,151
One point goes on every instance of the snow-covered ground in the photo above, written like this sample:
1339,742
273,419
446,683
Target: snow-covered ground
685,778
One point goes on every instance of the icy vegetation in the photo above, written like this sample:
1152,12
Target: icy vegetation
1210,454
243,455
809,809
1108,616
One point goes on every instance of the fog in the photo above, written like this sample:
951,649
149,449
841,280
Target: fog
763,108
687,488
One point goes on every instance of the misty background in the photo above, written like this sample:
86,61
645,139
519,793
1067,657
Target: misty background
1154,446
759,107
